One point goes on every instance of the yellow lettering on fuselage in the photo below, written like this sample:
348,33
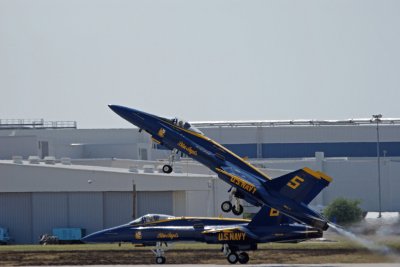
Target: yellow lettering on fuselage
188,149
231,236
243,184
167,235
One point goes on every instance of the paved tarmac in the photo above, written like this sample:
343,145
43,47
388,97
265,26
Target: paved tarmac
248,265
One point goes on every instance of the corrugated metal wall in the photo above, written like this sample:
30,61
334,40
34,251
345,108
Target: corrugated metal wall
29,215
117,208
304,141
154,202
49,210
86,211
179,203
16,215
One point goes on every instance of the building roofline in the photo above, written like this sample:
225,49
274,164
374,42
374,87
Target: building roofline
260,123
36,124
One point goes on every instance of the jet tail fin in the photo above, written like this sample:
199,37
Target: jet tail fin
302,185
268,216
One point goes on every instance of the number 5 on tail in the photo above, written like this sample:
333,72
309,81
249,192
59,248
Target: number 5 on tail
295,182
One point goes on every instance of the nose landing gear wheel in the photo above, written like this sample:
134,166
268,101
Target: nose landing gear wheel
167,168
243,258
232,258
160,260
226,206
238,211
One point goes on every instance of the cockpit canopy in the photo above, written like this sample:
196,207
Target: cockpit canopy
149,218
185,125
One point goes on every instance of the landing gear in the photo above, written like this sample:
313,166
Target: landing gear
160,260
226,206
233,255
236,208
232,258
159,252
243,257
167,168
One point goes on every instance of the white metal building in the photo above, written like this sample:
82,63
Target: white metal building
34,198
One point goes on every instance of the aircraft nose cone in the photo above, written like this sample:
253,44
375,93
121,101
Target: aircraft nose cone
97,237
89,238
134,116
120,110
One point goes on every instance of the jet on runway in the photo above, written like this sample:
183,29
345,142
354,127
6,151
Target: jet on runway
236,235
289,194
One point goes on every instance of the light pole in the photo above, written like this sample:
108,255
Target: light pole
133,199
377,119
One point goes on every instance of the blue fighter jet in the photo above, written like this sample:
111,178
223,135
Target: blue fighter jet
289,194
235,235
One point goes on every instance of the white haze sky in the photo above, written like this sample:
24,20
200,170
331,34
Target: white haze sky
200,60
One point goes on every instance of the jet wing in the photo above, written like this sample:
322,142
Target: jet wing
220,229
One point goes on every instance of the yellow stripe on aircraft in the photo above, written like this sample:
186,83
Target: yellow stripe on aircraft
196,218
317,174
225,230
155,141
222,148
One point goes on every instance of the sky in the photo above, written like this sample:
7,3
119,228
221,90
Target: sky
199,60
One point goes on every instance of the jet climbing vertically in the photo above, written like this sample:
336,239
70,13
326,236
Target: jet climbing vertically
289,194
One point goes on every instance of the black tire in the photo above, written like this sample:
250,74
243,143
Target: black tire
232,258
243,258
167,168
226,206
237,212
160,260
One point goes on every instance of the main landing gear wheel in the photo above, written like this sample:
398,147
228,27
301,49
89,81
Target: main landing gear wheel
159,252
243,258
238,211
160,260
226,206
232,258
167,168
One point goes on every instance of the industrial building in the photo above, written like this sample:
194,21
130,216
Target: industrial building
53,174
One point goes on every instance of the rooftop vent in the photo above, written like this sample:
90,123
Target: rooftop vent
148,168
50,160
33,160
17,159
66,161
133,169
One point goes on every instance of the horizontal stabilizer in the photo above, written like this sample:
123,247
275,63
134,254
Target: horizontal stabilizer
302,185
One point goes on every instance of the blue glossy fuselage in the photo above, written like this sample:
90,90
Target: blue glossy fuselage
251,184
208,230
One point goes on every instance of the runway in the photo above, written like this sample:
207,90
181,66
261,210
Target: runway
246,265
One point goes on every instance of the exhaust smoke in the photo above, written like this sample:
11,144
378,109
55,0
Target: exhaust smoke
369,244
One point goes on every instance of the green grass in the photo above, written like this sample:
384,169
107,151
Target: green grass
200,246
80,247
339,243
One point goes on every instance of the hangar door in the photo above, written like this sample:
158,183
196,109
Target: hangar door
154,202
16,215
